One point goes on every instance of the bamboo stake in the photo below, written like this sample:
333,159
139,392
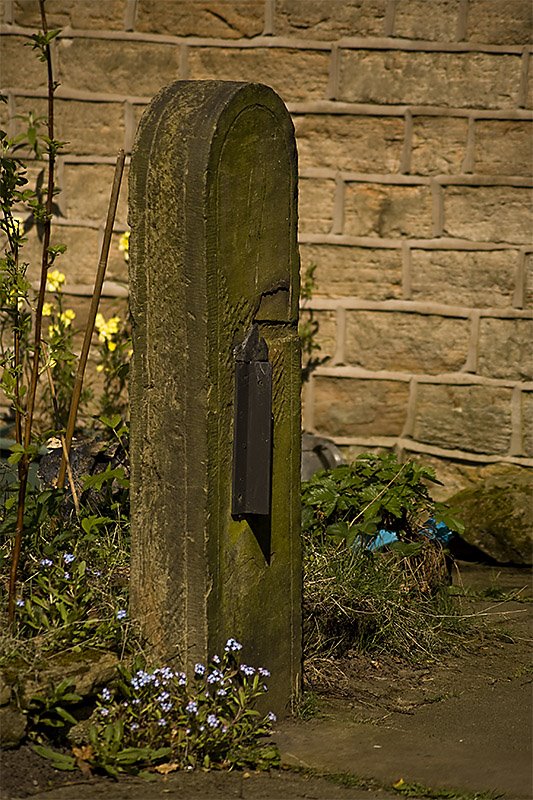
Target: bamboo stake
53,395
100,273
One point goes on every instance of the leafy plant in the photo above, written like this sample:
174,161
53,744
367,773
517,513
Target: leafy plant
48,714
353,503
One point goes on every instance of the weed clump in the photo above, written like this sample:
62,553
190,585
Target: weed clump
360,592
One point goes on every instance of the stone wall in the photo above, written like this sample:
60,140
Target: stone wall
413,125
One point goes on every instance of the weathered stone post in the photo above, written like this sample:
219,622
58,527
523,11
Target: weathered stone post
214,293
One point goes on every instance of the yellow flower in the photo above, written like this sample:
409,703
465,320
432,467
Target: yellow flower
55,280
112,325
111,346
99,367
67,316
124,245
47,309
99,322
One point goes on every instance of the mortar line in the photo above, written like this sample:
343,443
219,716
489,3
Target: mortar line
129,126
339,356
516,446
519,294
130,15
524,76
333,73
440,379
12,111
473,345
462,21
410,415
184,63
440,243
407,290
8,12
389,18
470,147
269,29
405,159
337,223
60,182
299,107
348,42
308,404
437,208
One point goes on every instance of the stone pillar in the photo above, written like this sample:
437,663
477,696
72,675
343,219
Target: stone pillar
213,260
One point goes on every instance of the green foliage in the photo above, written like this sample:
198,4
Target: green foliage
73,570
48,714
160,716
353,503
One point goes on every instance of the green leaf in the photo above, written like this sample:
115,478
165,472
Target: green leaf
59,760
338,530
65,715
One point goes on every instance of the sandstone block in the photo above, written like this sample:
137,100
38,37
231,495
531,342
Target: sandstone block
316,19
113,66
506,348
527,423
488,213
76,13
361,144
412,20
316,205
372,274
349,407
23,106
503,147
471,418
480,80
87,188
294,74
230,19
78,262
90,128
438,145
406,342
20,67
324,325
385,210
464,277
499,23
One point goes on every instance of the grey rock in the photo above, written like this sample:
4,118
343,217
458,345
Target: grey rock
498,515
317,454
12,726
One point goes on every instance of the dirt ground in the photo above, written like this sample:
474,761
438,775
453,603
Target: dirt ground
462,725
